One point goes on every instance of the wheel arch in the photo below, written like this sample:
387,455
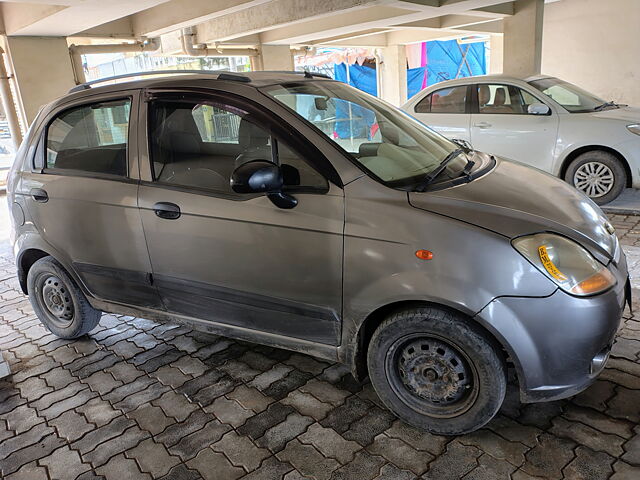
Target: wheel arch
360,343
25,261
571,156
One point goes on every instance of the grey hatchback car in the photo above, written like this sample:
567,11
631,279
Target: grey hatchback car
295,211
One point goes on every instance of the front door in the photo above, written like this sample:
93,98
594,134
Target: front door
82,196
502,126
237,259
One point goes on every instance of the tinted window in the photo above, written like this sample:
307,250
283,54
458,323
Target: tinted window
90,138
507,99
446,100
199,145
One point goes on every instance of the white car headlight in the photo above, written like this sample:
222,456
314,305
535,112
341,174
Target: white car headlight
634,128
565,263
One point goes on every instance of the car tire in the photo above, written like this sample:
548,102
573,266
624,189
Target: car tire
58,302
437,371
602,166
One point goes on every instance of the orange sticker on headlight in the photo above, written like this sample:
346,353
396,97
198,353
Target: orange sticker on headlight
549,265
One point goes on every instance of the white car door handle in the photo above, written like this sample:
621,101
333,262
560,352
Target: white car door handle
482,125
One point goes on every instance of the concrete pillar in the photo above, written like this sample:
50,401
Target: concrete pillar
496,54
42,68
276,57
394,75
523,38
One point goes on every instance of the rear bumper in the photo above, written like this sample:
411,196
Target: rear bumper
559,344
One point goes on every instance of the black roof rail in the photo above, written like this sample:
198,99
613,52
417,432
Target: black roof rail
221,75
306,73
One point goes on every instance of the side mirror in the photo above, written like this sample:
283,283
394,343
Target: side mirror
262,176
538,109
462,143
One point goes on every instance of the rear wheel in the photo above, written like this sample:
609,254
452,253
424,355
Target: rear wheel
599,175
58,302
437,371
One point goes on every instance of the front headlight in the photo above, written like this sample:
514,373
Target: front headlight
634,128
565,263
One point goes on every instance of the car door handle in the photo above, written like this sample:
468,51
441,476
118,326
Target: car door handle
167,210
482,125
39,195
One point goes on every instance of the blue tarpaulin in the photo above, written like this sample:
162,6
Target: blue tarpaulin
445,60
360,76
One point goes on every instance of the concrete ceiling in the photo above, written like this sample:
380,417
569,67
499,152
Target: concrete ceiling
280,22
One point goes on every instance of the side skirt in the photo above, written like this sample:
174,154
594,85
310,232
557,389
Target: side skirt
326,352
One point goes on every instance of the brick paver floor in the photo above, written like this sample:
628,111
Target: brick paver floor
138,399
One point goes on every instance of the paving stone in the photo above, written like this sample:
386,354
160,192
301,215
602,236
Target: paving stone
329,443
194,386
229,411
624,405
33,388
120,467
589,465
281,388
596,396
632,449
11,402
71,425
540,414
455,463
257,425
151,418
241,451
190,366
34,451
105,362
496,446
307,404
176,432
590,437
181,472
214,466
122,392
490,468
271,469
151,392
125,349
58,378
624,471
625,348
239,370
29,472
101,382
62,406
102,434
211,349
400,454
514,431
25,439
250,398
325,392
308,461
124,372
257,361
364,467
159,361
171,376
549,458
58,395
98,412
22,418
189,445
418,439
125,441
341,418
175,405
276,437
153,458
373,423
262,381
64,464
208,394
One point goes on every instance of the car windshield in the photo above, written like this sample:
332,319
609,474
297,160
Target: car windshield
394,147
574,99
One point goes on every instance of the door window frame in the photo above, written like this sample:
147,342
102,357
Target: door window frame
277,127
467,102
475,105
38,162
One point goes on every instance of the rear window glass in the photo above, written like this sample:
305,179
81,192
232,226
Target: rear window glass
445,100
90,138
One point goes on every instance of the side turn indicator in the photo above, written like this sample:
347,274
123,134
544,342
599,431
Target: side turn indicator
424,254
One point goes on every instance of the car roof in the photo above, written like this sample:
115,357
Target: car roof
487,78
179,79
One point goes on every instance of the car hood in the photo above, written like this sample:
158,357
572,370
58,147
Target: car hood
625,114
514,199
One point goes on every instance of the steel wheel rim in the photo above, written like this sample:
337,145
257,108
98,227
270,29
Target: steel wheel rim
56,299
595,179
427,379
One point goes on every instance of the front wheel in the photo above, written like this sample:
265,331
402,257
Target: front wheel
599,175
437,371
58,302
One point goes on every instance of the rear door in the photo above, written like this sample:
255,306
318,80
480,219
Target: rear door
82,196
446,111
501,125
237,259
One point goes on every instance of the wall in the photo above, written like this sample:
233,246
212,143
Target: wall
42,67
594,44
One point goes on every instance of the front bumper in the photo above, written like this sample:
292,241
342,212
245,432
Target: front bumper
560,343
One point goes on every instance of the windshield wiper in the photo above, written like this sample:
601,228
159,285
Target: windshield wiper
606,105
430,177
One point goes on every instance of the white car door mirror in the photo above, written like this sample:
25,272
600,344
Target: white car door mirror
538,109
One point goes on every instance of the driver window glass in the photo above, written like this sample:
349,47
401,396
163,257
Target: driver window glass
199,145
503,99
445,100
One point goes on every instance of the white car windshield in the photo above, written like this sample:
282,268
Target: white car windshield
571,97
394,147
